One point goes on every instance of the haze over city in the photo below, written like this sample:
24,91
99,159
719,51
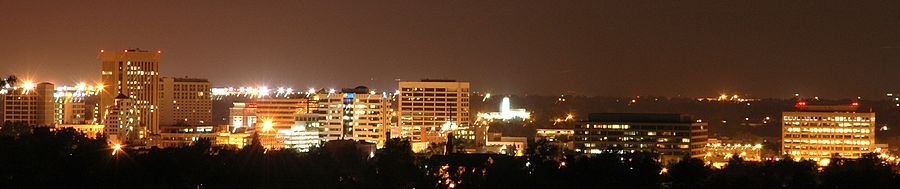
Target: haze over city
671,48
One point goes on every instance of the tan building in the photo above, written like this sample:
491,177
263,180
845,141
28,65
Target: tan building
134,73
819,132
354,114
29,103
280,113
181,136
72,106
121,123
242,116
89,130
560,137
429,109
185,101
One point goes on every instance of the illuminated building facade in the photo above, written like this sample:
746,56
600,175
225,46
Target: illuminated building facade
121,123
720,151
299,138
278,113
31,103
185,101
72,106
89,130
560,137
499,144
135,74
280,122
429,109
819,132
242,116
354,114
506,112
672,136
181,136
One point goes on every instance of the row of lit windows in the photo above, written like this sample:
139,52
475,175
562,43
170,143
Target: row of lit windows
835,118
826,130
833,148
822,153
828,124
848,142
826,136
435,99
434,89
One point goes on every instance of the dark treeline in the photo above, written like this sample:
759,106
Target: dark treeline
39,158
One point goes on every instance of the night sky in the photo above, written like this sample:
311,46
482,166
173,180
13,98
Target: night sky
618,48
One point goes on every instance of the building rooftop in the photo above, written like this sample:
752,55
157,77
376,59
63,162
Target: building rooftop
187,79
438,80
641,117
803,107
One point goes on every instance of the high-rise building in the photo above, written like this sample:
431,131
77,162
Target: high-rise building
30,103
818,132
430,109
121,123
672,136
185,101
133,73
354,114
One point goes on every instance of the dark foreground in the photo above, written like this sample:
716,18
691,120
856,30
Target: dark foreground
38,158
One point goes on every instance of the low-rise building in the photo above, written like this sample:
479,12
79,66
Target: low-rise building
559,137
29,103
672,136
820,132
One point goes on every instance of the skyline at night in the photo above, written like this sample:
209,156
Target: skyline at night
449,94
688,49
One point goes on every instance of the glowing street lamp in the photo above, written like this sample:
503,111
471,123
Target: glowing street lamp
267,125
116,148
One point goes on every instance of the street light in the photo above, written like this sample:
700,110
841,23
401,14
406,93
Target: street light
116,148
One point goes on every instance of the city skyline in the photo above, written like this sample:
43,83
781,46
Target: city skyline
588,48
449,94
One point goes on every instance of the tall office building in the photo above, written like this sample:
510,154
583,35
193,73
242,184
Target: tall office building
430,109
673,136
135,74
354,114
817,132
185,101
29,103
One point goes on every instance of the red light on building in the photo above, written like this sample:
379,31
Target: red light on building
800,104
251,105
854,104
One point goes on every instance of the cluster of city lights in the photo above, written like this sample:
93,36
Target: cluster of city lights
727,98
264,91
79,90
